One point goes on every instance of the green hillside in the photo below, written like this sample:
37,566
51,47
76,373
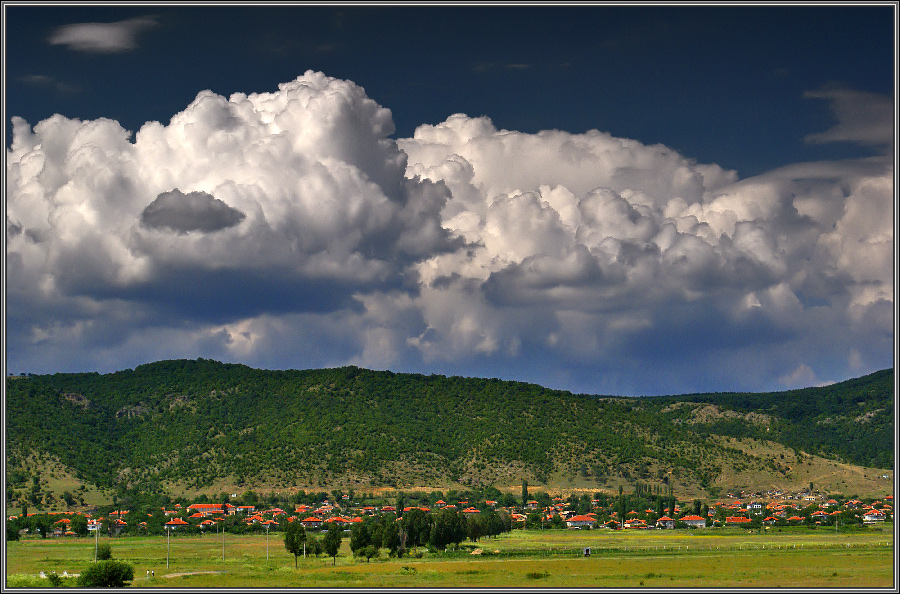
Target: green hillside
196,425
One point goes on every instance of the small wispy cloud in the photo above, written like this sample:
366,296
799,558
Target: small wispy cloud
863,118
48,82
483,67
102,38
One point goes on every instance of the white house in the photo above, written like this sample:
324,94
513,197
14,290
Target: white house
871,517
580,522
694,521
665,522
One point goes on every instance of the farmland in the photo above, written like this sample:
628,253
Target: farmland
788,557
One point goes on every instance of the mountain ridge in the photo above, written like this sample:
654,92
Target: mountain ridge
203,425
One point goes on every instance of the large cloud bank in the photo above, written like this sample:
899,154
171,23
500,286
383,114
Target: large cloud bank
288,229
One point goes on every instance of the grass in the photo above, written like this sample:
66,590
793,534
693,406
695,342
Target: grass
550,559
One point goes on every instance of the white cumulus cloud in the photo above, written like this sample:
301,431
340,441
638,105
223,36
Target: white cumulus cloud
288,229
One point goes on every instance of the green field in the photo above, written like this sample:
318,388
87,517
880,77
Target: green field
795,558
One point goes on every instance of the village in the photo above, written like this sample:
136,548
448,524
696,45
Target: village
734,510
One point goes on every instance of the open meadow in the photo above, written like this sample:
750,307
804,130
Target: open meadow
791,558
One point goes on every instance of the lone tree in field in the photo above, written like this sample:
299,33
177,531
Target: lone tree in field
332,541
294,539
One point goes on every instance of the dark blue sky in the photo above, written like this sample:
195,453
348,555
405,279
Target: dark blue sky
718,84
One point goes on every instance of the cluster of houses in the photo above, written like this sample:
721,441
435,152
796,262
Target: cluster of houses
730,513
736,513
873,513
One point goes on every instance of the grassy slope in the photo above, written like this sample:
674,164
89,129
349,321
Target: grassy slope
344,400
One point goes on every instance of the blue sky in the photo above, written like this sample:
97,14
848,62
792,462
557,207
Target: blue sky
629,200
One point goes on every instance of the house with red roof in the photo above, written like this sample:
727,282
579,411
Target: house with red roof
175,523
665,522
737,520
693,521
311,522
873,517
206,509
581,521
338,520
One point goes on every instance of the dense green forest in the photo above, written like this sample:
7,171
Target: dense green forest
198,422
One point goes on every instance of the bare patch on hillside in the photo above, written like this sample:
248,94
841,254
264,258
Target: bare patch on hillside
182,401
707,413
128,412
77,399
868,416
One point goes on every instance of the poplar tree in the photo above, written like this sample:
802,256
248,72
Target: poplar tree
332,541
294,539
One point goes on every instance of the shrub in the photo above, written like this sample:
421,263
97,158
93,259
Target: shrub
109,574
12,531
104,552
370,551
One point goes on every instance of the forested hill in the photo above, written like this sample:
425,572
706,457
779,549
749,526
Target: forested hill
199,423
